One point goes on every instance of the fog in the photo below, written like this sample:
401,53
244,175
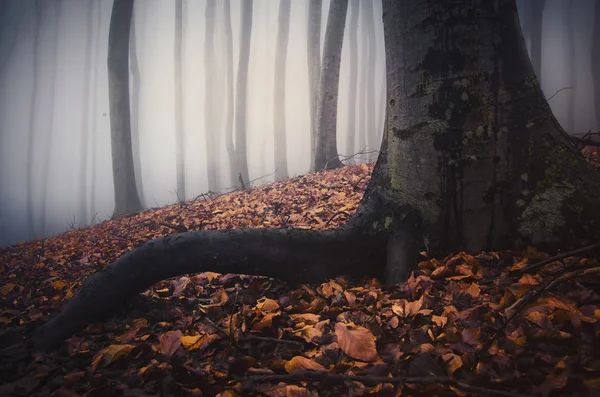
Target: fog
54,111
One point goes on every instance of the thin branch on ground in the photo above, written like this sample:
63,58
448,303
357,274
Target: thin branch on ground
551,259
300,376
336,214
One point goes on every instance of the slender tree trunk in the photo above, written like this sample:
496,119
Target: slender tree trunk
85,117
95,114
371,70
126,196
461,169
536,16
241,92
596,64
34,112
353,79
229,113
362,95
135,105
570,28
209,97
279,145
179,133
313,49
46,154
326,155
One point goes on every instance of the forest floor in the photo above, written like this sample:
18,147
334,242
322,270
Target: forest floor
497,323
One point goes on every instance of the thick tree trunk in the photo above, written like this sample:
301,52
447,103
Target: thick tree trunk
313,49
126,195
179,135
241,92
279,138
472,158
570,28
326,153
135,104
354,6
85,117
470,141
229,112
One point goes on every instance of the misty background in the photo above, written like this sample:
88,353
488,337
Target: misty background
43,92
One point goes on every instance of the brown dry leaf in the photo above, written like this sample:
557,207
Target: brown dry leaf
307,318
453,362
412,308
169,342
357,342
308,333
299,363
109,355
440,321
266,305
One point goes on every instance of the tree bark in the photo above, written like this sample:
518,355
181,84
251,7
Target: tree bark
353,79
95,115
135,104
229,112
472,158
209,97
313,55
279,128
326,153
241,92
126,195
179,133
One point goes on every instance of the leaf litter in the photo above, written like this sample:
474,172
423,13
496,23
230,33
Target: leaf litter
497,323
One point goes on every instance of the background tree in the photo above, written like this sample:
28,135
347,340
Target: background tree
241,92
369,20
229,75
51,68
94,126
534,11
279,146
209,96
354,6
313,55
444,174
126,196
135,100
85,117
33,113
179,134
326,154
362,85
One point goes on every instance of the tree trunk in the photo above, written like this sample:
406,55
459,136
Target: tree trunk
241,92
279,138
46,154
472,158
135,104
353,79
313,55
126,196
596,63
209,97
33,112
229,113
95,115
570,28
326,154
534,23
179,135
85,117
362,85
372,45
